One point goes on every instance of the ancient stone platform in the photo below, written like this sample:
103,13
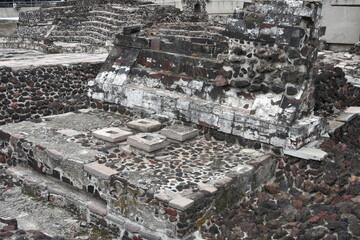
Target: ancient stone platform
170,193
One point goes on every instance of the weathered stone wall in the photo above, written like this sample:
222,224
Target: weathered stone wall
251,78
93,23
32,93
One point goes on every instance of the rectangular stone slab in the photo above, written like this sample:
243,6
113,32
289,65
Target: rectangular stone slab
148,142
179,132
112,134
99,170
144,125
306,153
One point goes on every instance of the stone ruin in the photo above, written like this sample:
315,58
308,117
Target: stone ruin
247,80
251,78
90,26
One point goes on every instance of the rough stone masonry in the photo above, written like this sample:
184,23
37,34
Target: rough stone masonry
251,78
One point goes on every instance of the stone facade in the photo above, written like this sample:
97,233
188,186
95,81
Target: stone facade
32,93
251,78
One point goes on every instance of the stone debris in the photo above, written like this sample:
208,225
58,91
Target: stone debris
112,134
306,153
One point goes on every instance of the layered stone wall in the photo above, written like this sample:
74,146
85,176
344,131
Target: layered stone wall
32,93
93,23
250,78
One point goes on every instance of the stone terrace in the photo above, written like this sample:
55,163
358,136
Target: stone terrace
174,189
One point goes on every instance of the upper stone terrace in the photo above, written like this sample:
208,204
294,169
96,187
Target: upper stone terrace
251,77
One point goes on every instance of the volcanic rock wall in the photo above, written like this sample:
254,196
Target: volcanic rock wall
251,78
32,93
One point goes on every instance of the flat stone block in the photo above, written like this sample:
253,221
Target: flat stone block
99,170
207,188
333,125
112,134
181,203
69,132
354,110
97,208
54,154
345,117
306,153
144,125
148,142
179,132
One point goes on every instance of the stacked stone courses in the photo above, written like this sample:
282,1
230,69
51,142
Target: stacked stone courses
250,78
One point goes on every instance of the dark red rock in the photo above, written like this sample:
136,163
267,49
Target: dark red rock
272,188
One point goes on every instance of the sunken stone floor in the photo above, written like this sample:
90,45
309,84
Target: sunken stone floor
174,188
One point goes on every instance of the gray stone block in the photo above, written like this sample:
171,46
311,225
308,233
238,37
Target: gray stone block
99,170
306,153
148,142
112,134
144,125
179,132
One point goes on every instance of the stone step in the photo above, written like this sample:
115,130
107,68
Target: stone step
105,26
87,207
81,39
171,192
306,153
107,20
83,32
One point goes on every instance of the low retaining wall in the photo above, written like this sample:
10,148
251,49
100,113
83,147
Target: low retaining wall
32,93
